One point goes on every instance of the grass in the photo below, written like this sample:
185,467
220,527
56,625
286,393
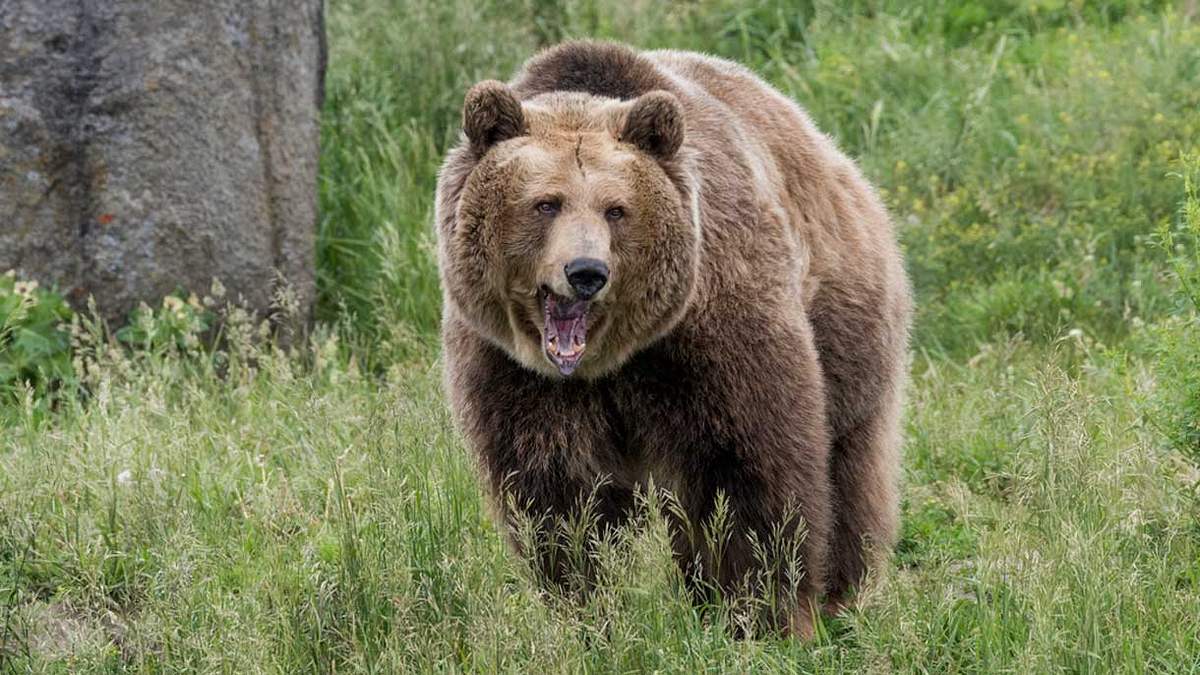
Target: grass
311,509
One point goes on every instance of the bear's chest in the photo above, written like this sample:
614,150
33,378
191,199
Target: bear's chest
664,408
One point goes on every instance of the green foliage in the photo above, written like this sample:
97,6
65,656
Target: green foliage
177,324
1176,343
961,22
1025,166
393,95
35,343
1183,241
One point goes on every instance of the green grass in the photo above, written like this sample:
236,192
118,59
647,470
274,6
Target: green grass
270,510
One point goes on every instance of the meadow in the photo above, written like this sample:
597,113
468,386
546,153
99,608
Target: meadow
307,507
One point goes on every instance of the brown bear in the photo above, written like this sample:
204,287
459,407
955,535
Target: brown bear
655,266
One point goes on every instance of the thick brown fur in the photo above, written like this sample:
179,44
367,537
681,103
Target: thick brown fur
752,340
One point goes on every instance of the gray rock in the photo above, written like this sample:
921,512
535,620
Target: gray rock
150,146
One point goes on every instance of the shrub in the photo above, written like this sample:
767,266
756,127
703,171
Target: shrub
176,325
1177,398
46,347
35,347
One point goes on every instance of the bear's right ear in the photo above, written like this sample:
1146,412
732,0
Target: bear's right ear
491,114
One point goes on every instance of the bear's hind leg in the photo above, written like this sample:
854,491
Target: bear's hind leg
864,467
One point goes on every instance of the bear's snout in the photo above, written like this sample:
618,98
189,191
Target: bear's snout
587,276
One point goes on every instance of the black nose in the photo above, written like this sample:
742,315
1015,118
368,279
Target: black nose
587,276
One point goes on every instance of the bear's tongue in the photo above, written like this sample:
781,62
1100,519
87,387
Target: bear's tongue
565,331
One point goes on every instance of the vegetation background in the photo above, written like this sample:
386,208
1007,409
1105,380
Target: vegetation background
166,506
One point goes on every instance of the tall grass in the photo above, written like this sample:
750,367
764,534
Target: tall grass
310,509
295,515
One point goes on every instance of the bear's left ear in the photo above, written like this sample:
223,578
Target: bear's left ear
654,124
491,114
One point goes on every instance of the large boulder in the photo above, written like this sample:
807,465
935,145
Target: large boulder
150,146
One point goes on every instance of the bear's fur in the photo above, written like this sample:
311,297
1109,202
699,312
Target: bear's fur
751,338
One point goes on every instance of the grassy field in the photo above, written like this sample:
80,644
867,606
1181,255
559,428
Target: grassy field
311,509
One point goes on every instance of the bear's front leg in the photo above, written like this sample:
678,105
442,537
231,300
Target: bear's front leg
553,516
749,427
548,452
777,520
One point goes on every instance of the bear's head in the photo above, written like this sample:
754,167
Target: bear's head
568,225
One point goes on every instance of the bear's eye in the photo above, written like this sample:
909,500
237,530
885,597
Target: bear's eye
615,213
547,208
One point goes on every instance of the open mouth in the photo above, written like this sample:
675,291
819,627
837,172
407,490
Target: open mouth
564,336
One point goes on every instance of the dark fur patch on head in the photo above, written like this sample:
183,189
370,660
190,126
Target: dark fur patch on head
491,114
655,125
596,68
